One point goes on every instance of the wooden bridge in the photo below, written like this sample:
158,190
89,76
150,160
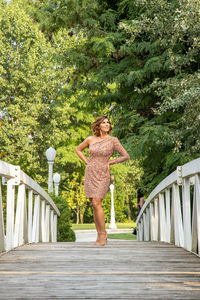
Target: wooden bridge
163,264
121,270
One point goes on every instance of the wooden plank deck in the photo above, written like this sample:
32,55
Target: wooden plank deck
121,270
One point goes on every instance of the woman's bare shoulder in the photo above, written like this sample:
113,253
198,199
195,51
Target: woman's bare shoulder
90,139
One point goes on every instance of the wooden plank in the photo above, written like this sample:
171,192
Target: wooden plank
156,212
55,228
2,232
43,227
120,270
18,221
10,212
162,217
25,233
36,220
187,214
51,225
47,223
191,168
152,221
168,215
30,215
197,191
20,236
178,223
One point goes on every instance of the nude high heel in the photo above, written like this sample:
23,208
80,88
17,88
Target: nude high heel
102,239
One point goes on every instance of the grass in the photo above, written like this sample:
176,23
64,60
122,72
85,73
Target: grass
122,236
92,225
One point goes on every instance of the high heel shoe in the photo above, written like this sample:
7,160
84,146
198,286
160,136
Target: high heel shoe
102,239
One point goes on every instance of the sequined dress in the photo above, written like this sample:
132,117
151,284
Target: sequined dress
97,173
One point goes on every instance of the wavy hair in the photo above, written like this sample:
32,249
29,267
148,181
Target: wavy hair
96,125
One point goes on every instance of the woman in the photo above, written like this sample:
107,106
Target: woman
97,172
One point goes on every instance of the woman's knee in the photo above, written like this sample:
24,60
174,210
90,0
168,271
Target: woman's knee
96,203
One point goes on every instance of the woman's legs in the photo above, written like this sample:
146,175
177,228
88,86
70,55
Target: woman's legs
98,214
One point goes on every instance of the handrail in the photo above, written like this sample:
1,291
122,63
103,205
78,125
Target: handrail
171,212
30,183
31,214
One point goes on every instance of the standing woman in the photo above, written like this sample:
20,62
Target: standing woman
97,172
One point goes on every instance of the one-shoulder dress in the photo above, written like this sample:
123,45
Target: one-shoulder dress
97,174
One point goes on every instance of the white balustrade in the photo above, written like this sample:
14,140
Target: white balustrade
27,212
171,213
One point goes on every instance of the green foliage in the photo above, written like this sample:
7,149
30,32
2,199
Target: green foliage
127,177
63,63
65,232
75,196
35,113
149,52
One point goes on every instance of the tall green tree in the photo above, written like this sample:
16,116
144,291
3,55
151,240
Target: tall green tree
35,114
75,197
139,62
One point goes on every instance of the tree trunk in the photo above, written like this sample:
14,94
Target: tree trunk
81,217
77,216
128,208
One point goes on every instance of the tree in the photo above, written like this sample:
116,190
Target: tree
133,56
75,196
127,177
28,86
35,113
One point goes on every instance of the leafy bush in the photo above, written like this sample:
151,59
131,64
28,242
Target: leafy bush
65,232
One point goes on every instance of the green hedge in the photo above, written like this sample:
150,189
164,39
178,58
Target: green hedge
65,232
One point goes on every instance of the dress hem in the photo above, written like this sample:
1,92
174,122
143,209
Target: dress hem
99,197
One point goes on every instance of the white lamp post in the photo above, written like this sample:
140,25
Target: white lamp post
112,219
56,179
50,154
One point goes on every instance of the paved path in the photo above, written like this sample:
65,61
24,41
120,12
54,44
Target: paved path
90,235
120,270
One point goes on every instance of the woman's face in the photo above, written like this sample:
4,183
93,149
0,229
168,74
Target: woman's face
105,125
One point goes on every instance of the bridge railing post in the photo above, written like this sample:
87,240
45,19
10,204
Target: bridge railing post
152,221
196,216
23,222
156,213
10,214
187,214
2,231
167,214
30,215
19,229
162,217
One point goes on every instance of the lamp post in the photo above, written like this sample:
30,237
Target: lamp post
50,154
56,179
112,219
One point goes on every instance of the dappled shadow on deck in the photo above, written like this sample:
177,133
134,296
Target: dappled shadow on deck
120,270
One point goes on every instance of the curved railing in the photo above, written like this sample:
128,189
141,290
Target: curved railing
27,212
171,213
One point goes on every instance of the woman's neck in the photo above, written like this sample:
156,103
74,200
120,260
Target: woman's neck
103,135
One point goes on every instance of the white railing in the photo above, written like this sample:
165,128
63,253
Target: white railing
27,212
171,213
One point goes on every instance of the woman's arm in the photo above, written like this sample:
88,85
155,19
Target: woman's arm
81,147
120,149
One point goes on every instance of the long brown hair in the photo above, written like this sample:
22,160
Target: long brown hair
96,125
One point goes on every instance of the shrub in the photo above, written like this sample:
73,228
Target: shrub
65,232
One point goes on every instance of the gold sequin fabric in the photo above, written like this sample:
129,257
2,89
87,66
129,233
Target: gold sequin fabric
97,173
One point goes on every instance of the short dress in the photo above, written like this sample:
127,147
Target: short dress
97,173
